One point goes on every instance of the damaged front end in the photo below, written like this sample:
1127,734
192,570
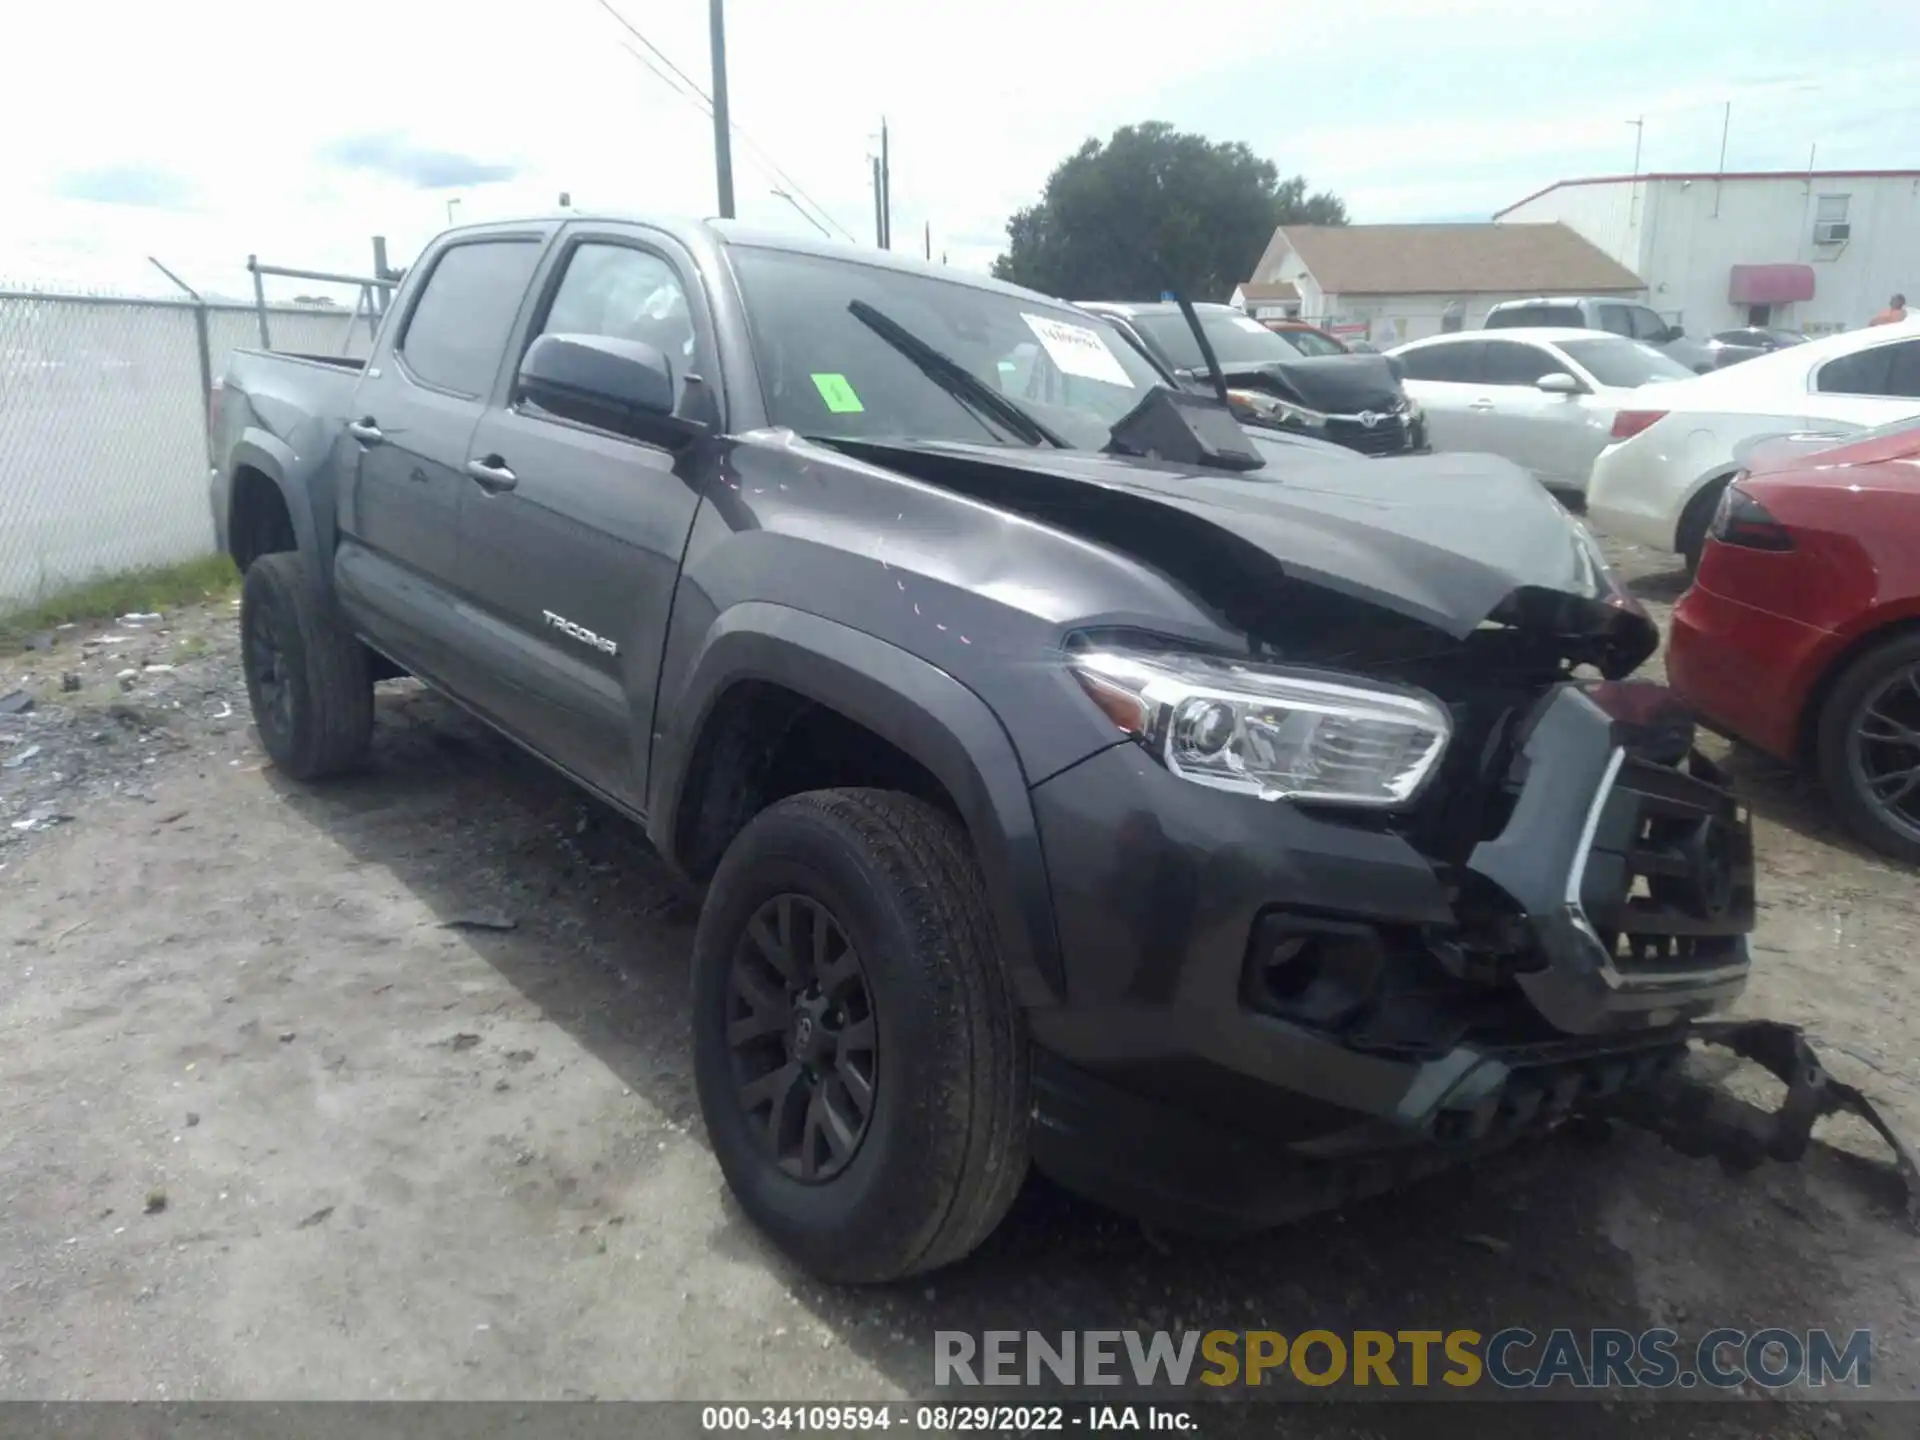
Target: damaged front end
1586,879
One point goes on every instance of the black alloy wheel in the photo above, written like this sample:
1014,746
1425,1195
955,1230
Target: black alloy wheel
267,670
802,1037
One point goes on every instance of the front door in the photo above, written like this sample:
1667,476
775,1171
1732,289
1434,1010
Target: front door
571,537
1528,425
413,415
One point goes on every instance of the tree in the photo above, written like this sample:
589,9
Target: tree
1155,209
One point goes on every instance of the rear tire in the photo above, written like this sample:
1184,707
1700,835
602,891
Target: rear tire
940,1149
1879,693
306,674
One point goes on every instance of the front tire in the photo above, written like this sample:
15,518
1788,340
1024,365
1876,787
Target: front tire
1868,746
861,1063
307,677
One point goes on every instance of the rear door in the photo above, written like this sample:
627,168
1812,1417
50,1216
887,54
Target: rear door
571,536
1445,379
413,414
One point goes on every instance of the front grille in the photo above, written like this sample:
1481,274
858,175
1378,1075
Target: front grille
1392,434
1669,880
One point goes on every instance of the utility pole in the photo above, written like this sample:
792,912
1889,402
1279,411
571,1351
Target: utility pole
879,207
886,191
722,126
929,251
1633,194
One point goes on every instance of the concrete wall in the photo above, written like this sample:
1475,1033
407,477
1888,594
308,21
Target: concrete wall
1695,231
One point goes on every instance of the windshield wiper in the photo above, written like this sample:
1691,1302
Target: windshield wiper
954,378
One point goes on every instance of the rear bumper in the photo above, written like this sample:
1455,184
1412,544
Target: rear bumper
1741,669
1177,906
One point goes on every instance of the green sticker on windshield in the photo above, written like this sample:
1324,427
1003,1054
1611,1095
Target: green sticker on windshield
838,394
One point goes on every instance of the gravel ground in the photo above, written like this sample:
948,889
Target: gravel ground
284,1114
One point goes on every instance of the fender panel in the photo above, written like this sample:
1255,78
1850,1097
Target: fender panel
911,704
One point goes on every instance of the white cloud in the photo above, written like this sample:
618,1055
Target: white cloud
296,129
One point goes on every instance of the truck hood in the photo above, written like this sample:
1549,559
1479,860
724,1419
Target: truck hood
1331,384
1456,543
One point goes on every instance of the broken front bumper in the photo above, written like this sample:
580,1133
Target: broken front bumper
1642,908
1623,888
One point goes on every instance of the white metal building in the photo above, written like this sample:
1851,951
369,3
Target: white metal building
1817,250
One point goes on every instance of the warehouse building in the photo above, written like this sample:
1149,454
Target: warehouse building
1813,250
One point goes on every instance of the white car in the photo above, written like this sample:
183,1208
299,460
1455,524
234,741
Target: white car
1674,449
1543,398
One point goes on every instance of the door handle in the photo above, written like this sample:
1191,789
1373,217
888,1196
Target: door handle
365,431
493,474
1480,405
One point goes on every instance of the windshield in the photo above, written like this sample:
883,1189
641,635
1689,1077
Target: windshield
1311,342
1236,339
1521,317
1622,363
827,373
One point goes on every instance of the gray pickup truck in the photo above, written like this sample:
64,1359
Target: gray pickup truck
1225,824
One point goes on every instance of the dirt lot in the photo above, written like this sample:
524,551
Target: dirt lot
281,1116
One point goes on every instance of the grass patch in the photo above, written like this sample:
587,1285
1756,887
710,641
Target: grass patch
160,587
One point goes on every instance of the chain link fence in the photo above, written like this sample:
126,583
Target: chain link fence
103,427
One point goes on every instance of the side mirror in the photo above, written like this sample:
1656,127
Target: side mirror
1675,332
1397,366
626,386
1560,383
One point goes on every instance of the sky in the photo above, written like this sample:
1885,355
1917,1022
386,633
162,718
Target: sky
201,131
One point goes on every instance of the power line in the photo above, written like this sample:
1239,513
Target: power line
702,101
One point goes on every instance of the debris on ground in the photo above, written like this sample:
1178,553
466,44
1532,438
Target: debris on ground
480,920
16,702
15,761
156,1201
316,1218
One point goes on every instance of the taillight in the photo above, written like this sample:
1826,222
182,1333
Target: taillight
1629,423
1742,520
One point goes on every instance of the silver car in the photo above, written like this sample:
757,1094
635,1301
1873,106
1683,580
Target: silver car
1542,398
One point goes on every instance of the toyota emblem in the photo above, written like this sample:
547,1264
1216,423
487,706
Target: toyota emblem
1369,418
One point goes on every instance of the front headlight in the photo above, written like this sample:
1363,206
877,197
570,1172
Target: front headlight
1272,407
1269,732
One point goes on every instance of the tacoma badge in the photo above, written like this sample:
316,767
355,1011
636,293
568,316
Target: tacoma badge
580,633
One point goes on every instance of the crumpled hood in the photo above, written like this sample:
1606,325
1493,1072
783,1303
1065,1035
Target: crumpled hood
1451,541
1331,384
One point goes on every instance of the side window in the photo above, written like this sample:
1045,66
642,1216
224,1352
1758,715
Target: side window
623,293
458,329
1648,326
1865,372
1455,364
1903,378
1510,363
1618,319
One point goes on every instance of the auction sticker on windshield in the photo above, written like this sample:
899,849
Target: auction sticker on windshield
838,395
1078,350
